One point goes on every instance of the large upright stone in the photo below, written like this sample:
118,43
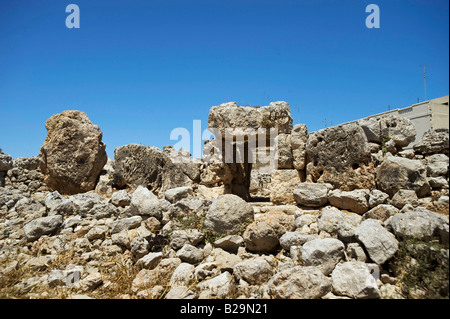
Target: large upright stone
6,164
299,137
73,153
285,159
340,155
282,186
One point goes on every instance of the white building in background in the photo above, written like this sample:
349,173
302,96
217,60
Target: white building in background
431,114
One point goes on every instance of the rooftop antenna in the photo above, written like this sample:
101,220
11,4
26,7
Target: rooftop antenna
424,79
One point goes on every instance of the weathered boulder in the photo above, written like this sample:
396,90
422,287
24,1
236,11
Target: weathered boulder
183,275
42,226
433,141
230,115
125,224
419,223
227,214
333,221
299,137
299,283
294,238
148,166
6,162
377,197
355,201
58,205
255,271
121,198
437,165
219,287
398,129
229,243
380,244
175,194
397,173
73,153
190,254
340,155
353,279
381,212
403,197
186,236
150,261
312,194
145,203
323,253
263,235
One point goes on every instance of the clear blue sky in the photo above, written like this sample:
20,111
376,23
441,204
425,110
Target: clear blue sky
139,69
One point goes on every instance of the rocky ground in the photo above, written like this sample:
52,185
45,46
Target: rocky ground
348,213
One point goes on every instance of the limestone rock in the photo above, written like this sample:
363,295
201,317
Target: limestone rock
230,115
150,260
121,198
418,223
437,165
126,224
381,212
299,283
229,243
299,137
73,153
263,235
323,253
175,194
282,186
397,173
380,244
186,236
403,197
354,280
433,141
377,197
227,214
398,129
355,201
334,221
190,254
183,275
340,155
255,271
219,287
312,194
285,158
294,238
42,226
139,165
6,162
145,203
